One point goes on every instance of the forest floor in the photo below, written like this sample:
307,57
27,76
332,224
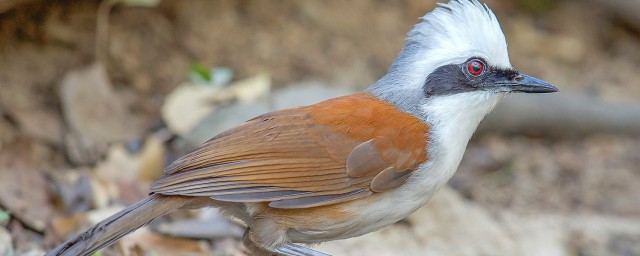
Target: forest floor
79,140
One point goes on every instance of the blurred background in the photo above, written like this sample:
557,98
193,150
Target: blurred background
96,97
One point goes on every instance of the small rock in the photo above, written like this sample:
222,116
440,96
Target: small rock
223,119
209,225
305,93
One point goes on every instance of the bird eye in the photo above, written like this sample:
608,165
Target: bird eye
475,67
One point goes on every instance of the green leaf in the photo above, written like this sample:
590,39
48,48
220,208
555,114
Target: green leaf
201,72
141,3
4,216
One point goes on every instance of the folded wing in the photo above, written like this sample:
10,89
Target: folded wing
331,152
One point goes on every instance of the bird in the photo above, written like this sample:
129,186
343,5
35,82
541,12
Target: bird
350,165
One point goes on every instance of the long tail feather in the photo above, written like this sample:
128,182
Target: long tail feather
118,225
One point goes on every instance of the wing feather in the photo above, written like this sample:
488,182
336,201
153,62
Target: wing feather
295,159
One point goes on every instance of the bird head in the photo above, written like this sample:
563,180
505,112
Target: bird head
458,53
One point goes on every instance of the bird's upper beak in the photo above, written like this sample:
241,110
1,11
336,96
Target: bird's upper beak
526,84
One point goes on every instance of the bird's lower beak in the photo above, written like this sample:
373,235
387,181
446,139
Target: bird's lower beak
526,84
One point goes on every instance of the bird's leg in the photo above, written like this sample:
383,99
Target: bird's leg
297,250
289,249
252,247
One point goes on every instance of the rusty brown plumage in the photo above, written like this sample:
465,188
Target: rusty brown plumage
334,151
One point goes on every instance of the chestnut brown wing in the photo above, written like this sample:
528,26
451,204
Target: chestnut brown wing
296,159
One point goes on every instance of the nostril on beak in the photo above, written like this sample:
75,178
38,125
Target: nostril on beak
519,78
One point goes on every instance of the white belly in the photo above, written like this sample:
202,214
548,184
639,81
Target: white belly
380,209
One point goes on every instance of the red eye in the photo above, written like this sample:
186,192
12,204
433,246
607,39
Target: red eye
475,67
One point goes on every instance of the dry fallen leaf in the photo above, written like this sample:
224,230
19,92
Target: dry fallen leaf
128,174
94,113
189,104
119,164
41,124
252,88
26,196
152,159
62,227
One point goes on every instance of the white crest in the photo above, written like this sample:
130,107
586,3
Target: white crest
460,29
450,34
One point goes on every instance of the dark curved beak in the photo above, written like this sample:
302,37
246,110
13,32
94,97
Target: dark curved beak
526,84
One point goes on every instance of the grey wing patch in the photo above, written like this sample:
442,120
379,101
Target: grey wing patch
256,194
364,159
313,201
389,179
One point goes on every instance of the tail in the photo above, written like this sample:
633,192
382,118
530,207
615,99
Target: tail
118,225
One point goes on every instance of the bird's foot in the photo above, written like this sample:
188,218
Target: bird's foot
289,249
297,250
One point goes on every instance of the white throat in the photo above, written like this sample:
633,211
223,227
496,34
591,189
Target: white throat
453,119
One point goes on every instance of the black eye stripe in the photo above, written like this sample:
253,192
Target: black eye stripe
458,78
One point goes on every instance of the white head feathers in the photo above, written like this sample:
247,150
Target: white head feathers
460,29
450,34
